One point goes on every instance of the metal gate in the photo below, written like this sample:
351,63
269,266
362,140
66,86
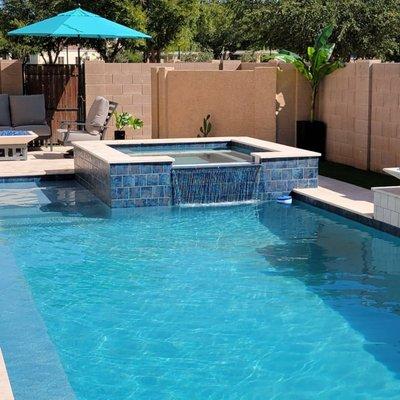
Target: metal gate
63,87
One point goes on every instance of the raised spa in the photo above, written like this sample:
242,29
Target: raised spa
188,171
194,154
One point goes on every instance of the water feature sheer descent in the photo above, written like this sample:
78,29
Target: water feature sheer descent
215,184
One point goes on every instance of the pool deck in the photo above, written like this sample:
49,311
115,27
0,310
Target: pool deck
39,163
342,195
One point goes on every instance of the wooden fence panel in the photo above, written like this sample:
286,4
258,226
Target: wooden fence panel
62,88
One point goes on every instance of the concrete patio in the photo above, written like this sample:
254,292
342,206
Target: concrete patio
40,162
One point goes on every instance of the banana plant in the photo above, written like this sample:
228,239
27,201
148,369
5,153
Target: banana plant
317,65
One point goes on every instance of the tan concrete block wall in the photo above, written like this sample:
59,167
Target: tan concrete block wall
293,98
385,116
11,77
360,104
343,106
129,84
241,103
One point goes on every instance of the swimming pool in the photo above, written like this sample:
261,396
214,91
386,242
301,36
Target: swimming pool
243,302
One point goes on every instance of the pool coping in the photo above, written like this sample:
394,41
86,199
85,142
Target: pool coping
103,150
367,220
5,385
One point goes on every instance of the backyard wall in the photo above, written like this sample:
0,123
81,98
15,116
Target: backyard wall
385,116
11,77
360,104
129,84
241,103
293,97
343,104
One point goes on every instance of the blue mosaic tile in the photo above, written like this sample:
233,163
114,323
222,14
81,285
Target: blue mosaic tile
120,193
164,202
298,173
158,191
146,169
120,169
165,179
146,192
134,192
116,181
152,179
158,168
276,174
310,173
128,180
140,180
134,169
286,174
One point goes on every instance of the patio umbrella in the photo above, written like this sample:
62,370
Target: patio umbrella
79,23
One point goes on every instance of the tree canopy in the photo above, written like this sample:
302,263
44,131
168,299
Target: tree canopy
362,28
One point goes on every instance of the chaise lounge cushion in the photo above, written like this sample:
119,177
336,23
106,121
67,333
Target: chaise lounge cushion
28,110
6,128
78,136
40,130
5,120
97,115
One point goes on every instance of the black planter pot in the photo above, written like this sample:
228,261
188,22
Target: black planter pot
312,136
119,135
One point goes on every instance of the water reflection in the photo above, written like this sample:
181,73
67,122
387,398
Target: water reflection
354,269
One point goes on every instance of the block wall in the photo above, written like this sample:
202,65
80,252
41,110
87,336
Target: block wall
11,77
385,116
129,84
241,103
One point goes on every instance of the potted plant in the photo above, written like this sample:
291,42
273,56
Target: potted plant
124,120
311,135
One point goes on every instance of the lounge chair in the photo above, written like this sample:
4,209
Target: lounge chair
95,126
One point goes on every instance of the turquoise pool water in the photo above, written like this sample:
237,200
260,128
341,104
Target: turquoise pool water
241,302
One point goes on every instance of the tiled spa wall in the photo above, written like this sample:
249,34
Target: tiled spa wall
143,185
281,175
124,185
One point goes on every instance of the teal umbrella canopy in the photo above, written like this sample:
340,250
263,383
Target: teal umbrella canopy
79,23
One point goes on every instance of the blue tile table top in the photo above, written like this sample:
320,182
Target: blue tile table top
14,133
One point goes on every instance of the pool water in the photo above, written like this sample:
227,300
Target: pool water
198,157
243,302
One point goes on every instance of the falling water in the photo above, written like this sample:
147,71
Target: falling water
215,184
